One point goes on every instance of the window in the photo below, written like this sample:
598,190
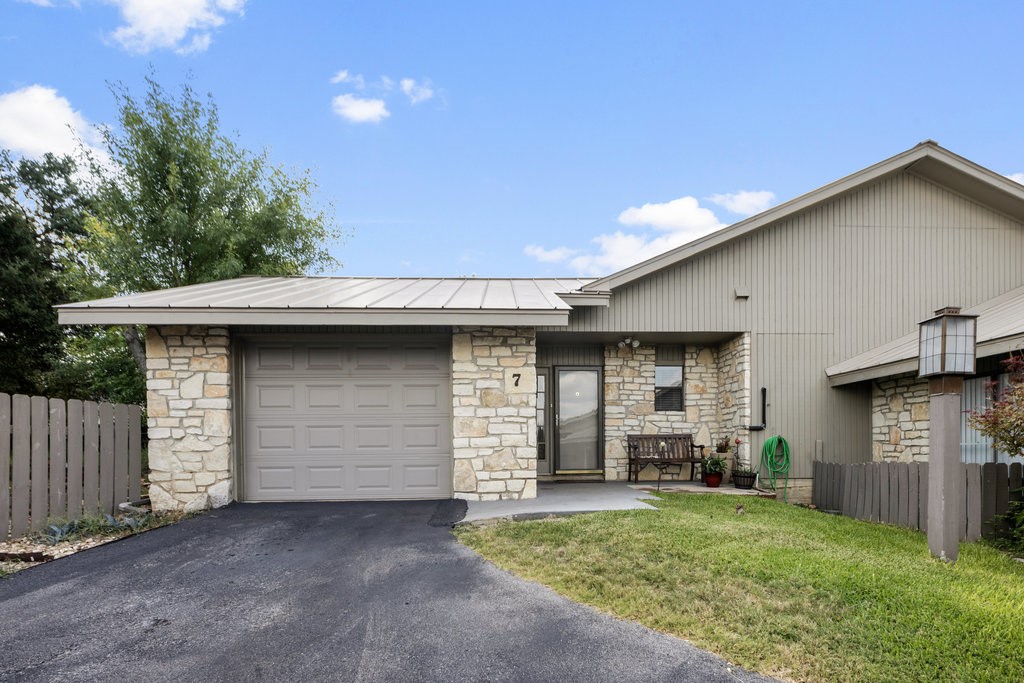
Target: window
668,387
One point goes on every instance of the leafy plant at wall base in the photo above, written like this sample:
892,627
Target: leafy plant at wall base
1009,527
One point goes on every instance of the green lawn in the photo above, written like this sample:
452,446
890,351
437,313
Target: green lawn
782,590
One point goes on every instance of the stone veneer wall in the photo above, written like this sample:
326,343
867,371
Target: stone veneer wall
494,412
900,419
188,397
734,394
629,402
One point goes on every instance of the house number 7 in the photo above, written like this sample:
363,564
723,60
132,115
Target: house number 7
516,376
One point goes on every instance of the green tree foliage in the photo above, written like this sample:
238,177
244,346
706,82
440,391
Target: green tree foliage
184,204
30,338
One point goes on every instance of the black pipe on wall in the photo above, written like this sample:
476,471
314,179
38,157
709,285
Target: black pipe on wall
764,412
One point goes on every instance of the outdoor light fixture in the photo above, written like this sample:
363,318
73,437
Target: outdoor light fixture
629,342
947,343
946,353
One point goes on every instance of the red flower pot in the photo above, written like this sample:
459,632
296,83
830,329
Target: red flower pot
713,479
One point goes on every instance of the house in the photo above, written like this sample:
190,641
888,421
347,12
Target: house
266,389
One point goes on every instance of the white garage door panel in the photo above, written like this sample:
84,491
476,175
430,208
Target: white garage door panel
366,419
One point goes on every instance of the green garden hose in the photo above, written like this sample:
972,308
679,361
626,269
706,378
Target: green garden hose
775,464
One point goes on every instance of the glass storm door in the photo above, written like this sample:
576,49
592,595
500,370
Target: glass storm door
578,416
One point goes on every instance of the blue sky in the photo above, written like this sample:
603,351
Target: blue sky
536,138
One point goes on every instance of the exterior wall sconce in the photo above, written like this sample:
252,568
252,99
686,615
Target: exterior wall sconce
946,353
629,342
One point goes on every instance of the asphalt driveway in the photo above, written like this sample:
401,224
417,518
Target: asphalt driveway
316,592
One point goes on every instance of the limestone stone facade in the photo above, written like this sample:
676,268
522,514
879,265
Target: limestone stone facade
494,395
188,396
734,394
716,399
900,419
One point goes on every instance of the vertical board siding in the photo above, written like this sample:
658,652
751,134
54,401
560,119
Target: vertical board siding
826,284
897,493
549,355
51,465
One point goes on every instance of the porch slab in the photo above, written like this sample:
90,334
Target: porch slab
699,487
563,498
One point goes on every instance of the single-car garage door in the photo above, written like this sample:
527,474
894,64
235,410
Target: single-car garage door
344,418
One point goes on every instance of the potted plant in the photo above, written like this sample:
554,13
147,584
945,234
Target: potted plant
722,446
713,469
744,477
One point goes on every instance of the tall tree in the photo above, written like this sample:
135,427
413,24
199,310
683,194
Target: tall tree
181,203
30,338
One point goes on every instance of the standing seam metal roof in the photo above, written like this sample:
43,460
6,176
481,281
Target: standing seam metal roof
355,293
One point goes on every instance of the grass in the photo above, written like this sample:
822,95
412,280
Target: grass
782,590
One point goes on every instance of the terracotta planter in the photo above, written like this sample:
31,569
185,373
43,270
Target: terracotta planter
713,479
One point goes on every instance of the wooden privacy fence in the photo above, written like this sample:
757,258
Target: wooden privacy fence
897,493
65,460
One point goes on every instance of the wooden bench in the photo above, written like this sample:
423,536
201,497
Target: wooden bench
663,451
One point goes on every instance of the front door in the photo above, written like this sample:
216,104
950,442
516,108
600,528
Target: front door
578,420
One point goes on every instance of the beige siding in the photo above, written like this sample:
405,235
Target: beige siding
826,284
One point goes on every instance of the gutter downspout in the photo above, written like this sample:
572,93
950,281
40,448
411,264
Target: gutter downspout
764,413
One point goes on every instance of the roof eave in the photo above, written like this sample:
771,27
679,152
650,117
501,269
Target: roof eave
986,349
585,298
77,315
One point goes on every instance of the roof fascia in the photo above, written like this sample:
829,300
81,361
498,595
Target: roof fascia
250,316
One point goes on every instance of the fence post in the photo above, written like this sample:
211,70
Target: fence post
58,457
5,465
40,473
134,453
91,459
75,424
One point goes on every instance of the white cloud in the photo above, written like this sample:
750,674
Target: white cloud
1017,177
386,84
745,202
182,25
36,119
556,255
359,110
343,76
417,92
684,213
676,223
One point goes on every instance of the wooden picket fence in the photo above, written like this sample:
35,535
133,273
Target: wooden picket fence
897,493
65,460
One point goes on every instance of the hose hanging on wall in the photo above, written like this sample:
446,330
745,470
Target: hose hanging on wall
775,463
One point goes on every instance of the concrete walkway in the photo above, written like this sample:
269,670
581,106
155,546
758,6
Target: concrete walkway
563,498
